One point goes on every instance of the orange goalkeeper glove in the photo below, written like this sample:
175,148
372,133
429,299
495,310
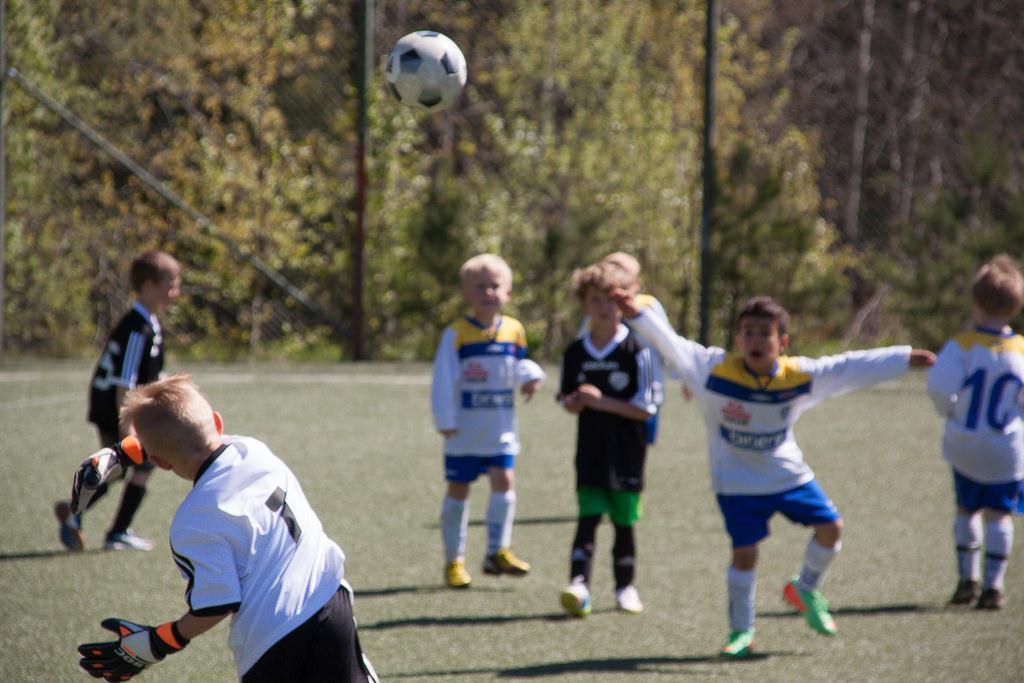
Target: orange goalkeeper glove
106,464
136,648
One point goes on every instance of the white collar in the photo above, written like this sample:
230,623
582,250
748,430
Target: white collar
621,333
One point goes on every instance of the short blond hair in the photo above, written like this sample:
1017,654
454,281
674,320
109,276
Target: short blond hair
491,263
603,276
172,418
998,288
627,262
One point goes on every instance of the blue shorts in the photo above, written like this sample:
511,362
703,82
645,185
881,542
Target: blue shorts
466,468
652,427
973,496
746,517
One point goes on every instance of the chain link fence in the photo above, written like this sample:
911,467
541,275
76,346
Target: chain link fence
844,127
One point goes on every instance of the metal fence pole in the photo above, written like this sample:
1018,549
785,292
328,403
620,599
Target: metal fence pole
3,163
359,243
708,195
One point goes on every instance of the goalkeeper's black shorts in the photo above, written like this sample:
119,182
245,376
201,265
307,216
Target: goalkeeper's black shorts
324,648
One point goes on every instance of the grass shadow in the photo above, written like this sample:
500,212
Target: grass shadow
424,590
899,608
47,554
480,620
519,521
667,666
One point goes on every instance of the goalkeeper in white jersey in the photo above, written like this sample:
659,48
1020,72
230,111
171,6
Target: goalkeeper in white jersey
480,360
249,545
976,385
750,401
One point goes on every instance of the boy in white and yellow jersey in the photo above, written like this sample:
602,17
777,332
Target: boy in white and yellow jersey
750,401
977,385
479,362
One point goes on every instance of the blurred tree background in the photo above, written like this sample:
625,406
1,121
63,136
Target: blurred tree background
870,156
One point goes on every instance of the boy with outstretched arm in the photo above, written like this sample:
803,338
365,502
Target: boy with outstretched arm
480,360
248,543
977,385
750,401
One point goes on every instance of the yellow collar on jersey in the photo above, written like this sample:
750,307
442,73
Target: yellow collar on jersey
469,332
993,341
787,374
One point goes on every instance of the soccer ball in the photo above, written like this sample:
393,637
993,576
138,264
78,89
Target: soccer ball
426,70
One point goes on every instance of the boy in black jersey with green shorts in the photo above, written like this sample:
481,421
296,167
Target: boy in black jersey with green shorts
607,379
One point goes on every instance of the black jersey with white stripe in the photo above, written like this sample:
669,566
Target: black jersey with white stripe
610,448
133,355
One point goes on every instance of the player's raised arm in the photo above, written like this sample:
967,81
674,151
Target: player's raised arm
687,360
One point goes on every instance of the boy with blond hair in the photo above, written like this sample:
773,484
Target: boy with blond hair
630,266
480,360
133,355
750,401
607,380
248,543
976,385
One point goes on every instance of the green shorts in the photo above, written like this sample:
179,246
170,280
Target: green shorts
623,507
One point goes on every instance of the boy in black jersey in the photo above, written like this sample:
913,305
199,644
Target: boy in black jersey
133,355
607,379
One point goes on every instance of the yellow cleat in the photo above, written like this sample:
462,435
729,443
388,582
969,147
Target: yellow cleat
504,562
455,574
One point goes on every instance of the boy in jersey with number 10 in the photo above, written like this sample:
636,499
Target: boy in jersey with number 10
750,401
976,385
133,355
608,381
479,361
249,545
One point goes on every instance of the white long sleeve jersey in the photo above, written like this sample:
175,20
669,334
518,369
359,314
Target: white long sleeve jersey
473,389
976,384
749,419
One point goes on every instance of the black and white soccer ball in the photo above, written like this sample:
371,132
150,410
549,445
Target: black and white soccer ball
426,70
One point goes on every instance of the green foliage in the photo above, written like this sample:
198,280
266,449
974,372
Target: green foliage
578,134
952,235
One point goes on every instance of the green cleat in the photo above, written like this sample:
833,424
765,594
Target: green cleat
740,645
816,614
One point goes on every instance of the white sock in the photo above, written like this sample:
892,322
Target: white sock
998,544
500,512
817,559
967,533
454,523
742,590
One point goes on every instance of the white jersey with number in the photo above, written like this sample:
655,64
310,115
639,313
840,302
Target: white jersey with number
473,388
750,419
247,542
976,384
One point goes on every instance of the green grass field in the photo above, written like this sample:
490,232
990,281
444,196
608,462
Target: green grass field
360,440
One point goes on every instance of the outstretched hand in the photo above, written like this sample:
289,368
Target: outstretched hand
530,388
921,358
623,298
136,648
102,466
